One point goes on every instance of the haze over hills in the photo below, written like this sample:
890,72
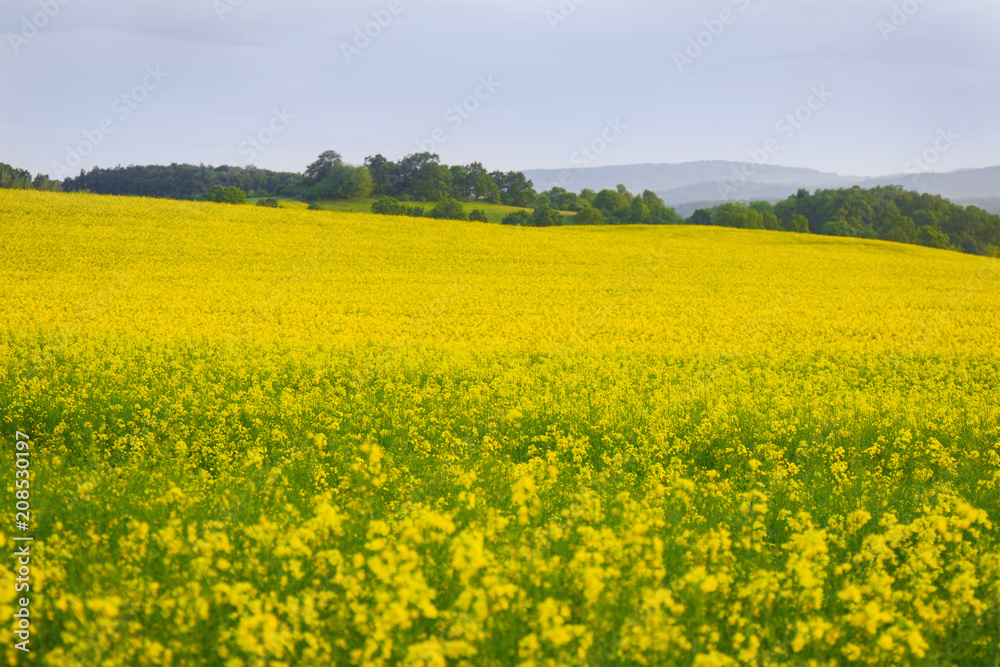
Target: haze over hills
716,181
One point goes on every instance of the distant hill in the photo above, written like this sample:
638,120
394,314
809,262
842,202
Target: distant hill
716,181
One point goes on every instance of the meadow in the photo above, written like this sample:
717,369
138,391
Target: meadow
289,437
494,212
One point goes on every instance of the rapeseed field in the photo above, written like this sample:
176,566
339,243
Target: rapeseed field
282,437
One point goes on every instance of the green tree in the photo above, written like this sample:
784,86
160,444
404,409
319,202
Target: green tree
515,189
477,215
386,205
589,216
544,215
431,182
381,170
700,217
319,169
448,210
343,181
609,201
268,202
933,238
518,218
226,195
799,223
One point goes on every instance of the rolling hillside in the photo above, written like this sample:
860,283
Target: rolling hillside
276,436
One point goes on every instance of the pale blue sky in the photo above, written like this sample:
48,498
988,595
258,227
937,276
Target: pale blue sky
225,74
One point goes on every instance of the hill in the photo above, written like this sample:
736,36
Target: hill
719,180
278,436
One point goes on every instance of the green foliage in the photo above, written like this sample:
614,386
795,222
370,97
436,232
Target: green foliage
388,206
700,217
226,194
381,171
518,218
610,201
448,210
477,215
515,189
545,216
887,213
268,202
798,223
589,216
342,181
19,179
182,181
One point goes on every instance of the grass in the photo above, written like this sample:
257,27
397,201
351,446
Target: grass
494,212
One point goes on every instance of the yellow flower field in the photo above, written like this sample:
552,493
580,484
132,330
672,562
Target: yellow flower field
284,437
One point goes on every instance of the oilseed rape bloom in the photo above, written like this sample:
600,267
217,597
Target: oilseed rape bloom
285,437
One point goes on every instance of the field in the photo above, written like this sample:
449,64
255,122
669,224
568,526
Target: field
283,437
494,212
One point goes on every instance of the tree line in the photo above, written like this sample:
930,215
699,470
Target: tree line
19,179
889,213
419,177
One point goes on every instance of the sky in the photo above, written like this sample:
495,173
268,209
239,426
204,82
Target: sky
849,86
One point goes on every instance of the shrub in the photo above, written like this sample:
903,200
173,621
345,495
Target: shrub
449,209
229,194
388,206
518,218
589,216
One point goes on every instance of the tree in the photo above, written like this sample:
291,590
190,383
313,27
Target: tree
448,210
933,238
406,171
15,179
431,182
226,195
477,215
343,181
43,182
480,185
268,202
518,218
386,205
638,212
544,215
319,169
609,201
700,217
381,171
589,216
799,224
515,189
